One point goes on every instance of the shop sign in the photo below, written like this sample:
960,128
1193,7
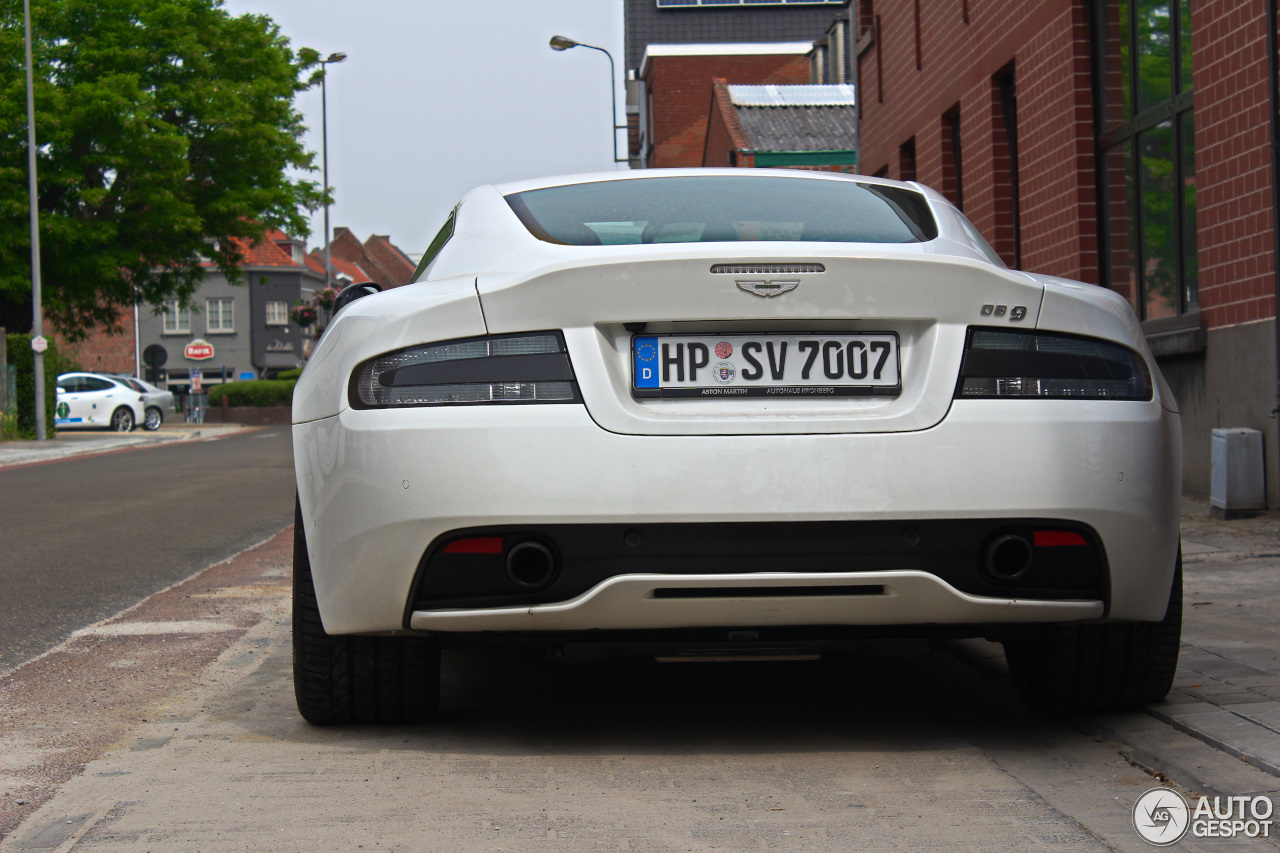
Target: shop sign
198,350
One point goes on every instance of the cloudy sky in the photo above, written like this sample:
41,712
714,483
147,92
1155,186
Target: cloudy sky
439,96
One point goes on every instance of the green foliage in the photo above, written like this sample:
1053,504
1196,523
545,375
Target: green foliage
256,392
167,136
289,374
18,353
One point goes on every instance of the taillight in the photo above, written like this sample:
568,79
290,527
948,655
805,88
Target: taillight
530,367
1003,363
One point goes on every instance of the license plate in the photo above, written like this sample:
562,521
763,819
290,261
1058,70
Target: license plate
819,365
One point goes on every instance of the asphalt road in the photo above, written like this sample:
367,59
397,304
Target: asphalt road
84,537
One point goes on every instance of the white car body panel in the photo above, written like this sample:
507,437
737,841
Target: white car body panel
377,487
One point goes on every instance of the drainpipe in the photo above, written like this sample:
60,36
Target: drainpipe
1273,85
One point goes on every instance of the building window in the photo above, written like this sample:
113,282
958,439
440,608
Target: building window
277,313
219,315
907,160
177,318
1008,229
1146,156
952,164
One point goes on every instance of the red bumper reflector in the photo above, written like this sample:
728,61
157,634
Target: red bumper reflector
475,545
1057,538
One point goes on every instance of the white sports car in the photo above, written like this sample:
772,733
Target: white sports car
724,412
98,400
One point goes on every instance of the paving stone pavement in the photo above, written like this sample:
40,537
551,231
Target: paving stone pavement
1227,691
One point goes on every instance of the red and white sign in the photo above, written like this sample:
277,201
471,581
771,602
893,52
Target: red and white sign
198,350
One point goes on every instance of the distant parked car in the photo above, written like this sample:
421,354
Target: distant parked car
94,400
156,400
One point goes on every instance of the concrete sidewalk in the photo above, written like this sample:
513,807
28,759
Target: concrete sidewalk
81,442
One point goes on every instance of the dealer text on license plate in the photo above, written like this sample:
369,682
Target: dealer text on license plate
818,365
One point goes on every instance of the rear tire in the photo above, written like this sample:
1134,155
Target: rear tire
153,420
122,419
351,679
1085,669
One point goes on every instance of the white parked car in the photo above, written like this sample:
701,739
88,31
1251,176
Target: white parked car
96,400
157,401
731,410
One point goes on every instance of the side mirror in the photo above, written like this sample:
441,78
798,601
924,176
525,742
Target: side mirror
352,292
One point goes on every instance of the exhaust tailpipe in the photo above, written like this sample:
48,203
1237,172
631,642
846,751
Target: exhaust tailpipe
1008,557
530,565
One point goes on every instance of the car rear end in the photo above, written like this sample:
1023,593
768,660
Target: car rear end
850,434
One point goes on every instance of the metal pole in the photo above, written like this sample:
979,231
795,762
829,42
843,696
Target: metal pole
324,147
851,38
613,91
137,344
37,311
1273,86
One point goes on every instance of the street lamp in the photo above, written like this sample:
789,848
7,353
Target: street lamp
37,310
564,43
333,59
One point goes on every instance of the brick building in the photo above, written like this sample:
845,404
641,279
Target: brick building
675,47
798,127
1118,142
102,350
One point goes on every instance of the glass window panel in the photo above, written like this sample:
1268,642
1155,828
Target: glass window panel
1160,259
1120,212
1155,53
218,314
1184,44
1116,64
277,313
1190,258
720,208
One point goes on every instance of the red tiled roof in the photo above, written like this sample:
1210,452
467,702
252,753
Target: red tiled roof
315,261
265,254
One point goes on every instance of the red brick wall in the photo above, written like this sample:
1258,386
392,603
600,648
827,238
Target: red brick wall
680,87
1057,174
1233,162
719,143
1048,42
102,351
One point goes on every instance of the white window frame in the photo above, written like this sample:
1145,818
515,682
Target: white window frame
177,318
280,308
213,315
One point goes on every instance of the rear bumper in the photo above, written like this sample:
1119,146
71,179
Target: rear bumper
379,487
655,602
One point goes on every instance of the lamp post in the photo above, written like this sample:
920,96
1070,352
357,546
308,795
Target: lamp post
333,59
564,43
37,311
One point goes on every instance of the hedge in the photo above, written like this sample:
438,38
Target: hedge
255,392
18,353
289,374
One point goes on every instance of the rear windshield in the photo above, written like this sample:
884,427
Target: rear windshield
724,208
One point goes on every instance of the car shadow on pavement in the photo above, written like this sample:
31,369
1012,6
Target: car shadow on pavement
507,701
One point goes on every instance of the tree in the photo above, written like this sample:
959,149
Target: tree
166,133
